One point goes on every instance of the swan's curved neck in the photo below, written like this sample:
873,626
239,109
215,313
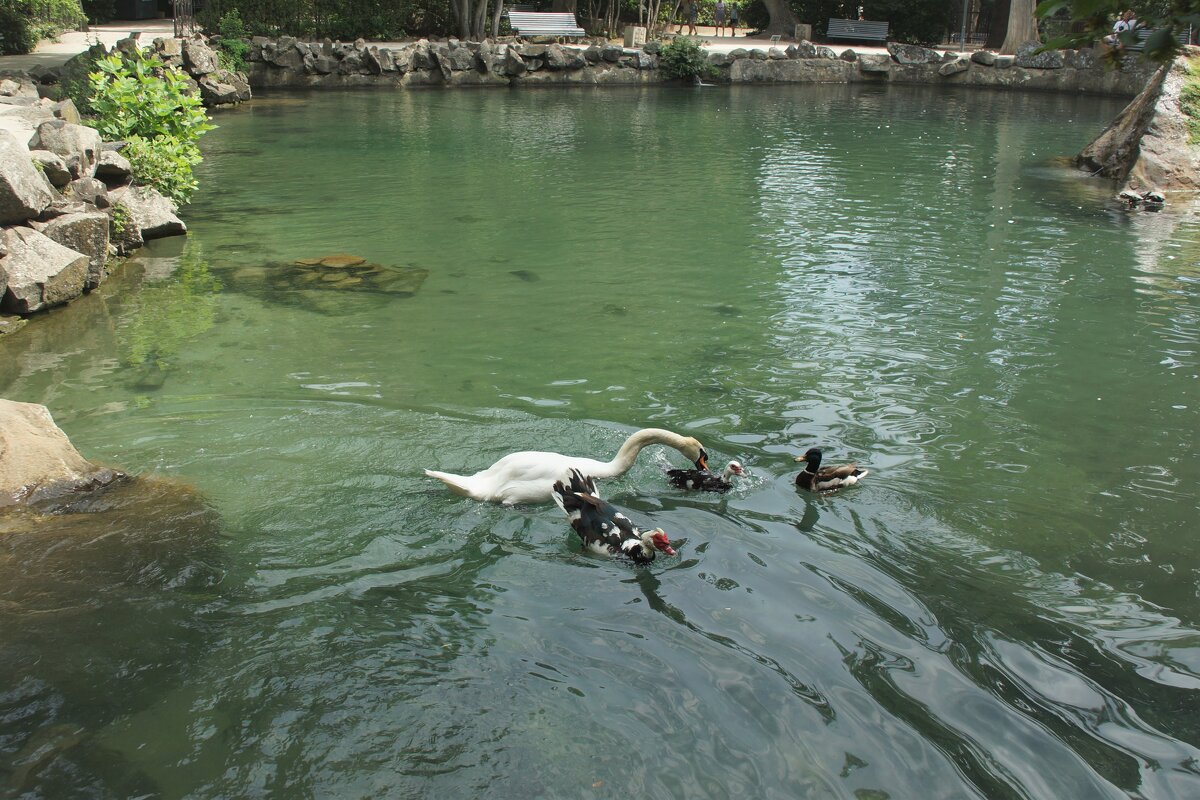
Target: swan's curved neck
643,438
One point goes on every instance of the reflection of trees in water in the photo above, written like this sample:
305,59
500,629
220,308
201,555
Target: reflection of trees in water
163,316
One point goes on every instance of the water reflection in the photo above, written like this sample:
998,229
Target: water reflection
1006,608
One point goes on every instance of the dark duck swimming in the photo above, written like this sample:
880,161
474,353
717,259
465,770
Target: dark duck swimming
701,480
601,527
816,478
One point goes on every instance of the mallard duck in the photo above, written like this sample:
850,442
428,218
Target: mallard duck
697,480
601,527
529,477
829,479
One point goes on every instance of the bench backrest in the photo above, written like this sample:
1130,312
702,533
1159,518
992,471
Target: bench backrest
857,29
531,23
1184,37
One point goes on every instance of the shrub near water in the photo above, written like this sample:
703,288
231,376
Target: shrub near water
233,45
682,58
138,100
24,22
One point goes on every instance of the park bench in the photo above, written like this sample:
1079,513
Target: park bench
1184,37
857,29
532,23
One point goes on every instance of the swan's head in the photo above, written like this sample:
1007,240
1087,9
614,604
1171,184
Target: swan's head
657,539
695,452
734,468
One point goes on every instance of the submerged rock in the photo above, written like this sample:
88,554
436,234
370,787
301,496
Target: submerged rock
38,464
341,260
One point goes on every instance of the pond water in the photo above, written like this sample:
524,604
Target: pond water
1007,607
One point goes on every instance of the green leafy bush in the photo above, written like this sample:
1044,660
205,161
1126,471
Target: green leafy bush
138,100
75,81
135,95
337,19
233,45
164,163
683,58
17,33
100,10
25,22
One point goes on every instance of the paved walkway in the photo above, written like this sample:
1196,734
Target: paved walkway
53,53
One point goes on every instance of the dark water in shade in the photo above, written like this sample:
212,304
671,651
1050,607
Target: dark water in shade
1008,607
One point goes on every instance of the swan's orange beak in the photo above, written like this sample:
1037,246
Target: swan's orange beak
702,461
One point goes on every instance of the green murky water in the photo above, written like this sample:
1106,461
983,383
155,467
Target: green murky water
1006,608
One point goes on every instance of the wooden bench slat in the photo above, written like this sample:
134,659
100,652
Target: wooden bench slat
533,23
1184,37
857,29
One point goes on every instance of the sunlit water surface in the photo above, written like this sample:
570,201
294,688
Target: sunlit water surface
1006,608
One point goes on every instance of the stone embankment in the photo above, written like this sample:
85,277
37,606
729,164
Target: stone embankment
68,203
1149,147
289,62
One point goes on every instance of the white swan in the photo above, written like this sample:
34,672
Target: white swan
529,477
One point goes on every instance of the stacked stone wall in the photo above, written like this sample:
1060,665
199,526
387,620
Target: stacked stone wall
290,63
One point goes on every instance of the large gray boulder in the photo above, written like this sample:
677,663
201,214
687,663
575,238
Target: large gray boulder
87,233
151,213
913,54
222,88
113,168
24,192
954,67
1028,56
78,145
874,64
89,190
198,57
37,461
41,272
53,167
513,63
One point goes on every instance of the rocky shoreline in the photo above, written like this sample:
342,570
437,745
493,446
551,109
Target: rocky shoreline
68,207
287,62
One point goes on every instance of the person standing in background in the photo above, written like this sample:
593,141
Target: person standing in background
719,17
733,20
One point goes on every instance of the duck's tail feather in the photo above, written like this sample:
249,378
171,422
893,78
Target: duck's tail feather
569,498
456,483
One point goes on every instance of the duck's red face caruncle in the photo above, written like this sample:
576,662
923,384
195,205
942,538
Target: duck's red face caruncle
661,542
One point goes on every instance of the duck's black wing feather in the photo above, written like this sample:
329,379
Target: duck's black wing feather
697,480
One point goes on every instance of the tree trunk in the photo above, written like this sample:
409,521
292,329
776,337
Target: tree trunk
1022,26
783,21
496,18
462,15
479,23
998,25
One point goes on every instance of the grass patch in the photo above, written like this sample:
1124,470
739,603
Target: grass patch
1189,99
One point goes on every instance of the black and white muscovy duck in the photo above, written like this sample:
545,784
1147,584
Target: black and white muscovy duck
701,480
829,479
602,528
529,477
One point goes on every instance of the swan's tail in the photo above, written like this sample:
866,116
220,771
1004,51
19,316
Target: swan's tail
457,483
